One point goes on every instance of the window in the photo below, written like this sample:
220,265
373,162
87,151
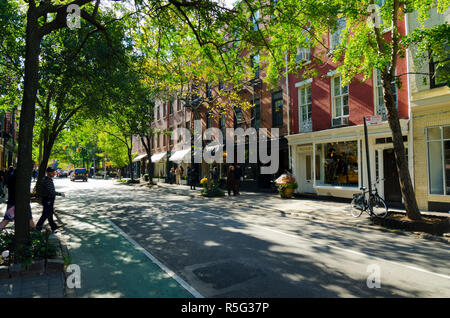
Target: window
153,141
208,91
277,109
380,109
340,164
305,108
255,20
438,140
439,70
237,117
208,120
164,110
256,114
255,65
303,55
339,102
222,125
157,140
178,105
171,107
336,36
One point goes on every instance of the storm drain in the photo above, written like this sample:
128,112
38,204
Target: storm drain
226,274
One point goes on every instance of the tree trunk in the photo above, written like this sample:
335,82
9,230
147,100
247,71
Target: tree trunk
25,140
409,198
48,146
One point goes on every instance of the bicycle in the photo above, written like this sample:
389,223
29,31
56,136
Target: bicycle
374,206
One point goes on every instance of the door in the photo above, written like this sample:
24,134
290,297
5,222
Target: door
305,183
392,192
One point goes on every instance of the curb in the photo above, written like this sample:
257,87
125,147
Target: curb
421,235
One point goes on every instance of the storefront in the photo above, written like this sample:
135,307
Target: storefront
431,129
160,164
333,162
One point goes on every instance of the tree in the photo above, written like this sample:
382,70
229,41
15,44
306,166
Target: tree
42,18
275,29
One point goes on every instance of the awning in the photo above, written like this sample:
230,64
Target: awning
138,158
157,157
181,156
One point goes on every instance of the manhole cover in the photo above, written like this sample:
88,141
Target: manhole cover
226,274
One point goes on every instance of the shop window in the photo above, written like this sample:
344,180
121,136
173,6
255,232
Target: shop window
340,164
438,140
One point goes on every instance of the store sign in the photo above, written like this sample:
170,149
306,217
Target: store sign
374,120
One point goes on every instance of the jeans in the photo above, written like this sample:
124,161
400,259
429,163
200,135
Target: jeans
47,213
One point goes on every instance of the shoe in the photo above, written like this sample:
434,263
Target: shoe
55,229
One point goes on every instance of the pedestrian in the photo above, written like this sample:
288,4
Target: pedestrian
48,194
9,215
215,175
178,175
192,177
239,178
2,179
231,181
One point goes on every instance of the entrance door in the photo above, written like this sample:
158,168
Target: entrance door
392,190
305,183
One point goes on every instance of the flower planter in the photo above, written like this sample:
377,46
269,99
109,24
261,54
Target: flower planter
287,193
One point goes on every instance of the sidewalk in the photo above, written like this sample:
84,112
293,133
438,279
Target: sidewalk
304,207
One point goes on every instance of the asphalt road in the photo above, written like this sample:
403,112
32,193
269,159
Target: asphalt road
213,249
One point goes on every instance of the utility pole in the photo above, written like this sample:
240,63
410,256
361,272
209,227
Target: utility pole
105,166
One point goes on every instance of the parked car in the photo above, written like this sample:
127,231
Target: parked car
79,174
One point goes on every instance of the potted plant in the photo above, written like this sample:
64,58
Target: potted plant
286,185
286,190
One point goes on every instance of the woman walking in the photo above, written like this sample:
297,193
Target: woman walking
231,181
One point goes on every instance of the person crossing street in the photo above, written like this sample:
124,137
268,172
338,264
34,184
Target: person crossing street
48,194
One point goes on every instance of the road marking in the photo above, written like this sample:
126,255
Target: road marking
335,247
171,273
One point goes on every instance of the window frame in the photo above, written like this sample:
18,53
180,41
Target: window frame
442,140
300,105
338,32
341,96
275,118
375,75
257,101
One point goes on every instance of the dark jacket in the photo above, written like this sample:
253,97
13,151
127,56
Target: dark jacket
238,173
231,179
11,184
47,189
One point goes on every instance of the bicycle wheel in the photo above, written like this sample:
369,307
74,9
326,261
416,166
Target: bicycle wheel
378,206
355,209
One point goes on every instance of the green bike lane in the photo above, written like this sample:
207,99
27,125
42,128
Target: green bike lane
112,264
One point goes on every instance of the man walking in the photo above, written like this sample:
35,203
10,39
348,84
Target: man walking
48,194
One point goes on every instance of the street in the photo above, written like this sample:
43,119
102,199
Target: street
178,246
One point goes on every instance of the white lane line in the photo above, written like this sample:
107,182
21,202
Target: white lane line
171,273
335,247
